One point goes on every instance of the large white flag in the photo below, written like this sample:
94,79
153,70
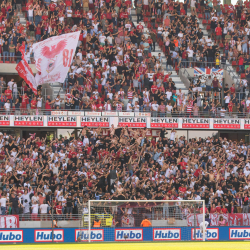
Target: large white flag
53,57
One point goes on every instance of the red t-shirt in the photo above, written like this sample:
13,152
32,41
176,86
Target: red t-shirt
25,99
8,93
218,31
33,104
224,210
154,88
68,3
183,12
59,209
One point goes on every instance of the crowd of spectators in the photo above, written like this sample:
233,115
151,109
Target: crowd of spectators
126,164
113,68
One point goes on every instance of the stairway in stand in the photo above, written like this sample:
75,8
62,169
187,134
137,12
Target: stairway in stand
175,77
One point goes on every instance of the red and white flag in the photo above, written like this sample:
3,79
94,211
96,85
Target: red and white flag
26,73
53,57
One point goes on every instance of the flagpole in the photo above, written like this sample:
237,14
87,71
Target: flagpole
222,90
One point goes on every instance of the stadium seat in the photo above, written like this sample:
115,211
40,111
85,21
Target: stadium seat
200,16
234,63
242,76
208,27
204,21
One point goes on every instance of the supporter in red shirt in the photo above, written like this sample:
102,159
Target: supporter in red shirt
59,209
8,94
232,89
183,12
213,209
33,105
218,33
154,87
182,188
25,101
224,209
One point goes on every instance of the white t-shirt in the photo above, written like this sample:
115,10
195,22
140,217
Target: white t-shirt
190,52
201,225
219,192
222,112
7,106
34,209
227,99
155,107
30,12
69,13
102,39
43,208
172,136
10,84
3,202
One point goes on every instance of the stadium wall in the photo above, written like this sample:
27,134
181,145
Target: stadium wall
69,235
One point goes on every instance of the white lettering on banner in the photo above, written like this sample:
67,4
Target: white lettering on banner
4,120
166,234
227,123
95,235
93,113
212,234
239,233
9,221
7,236
164,123
126,114
131,234
59,112
95,121
46,235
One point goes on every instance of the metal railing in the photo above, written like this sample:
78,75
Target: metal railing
7,57
48,217
200,113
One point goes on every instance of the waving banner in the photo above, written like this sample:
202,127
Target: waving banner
25,71
53,57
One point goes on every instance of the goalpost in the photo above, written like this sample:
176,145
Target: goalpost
143,220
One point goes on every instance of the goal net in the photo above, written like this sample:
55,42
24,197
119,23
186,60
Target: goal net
140,220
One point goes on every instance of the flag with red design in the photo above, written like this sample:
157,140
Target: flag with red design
26,73
53,57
